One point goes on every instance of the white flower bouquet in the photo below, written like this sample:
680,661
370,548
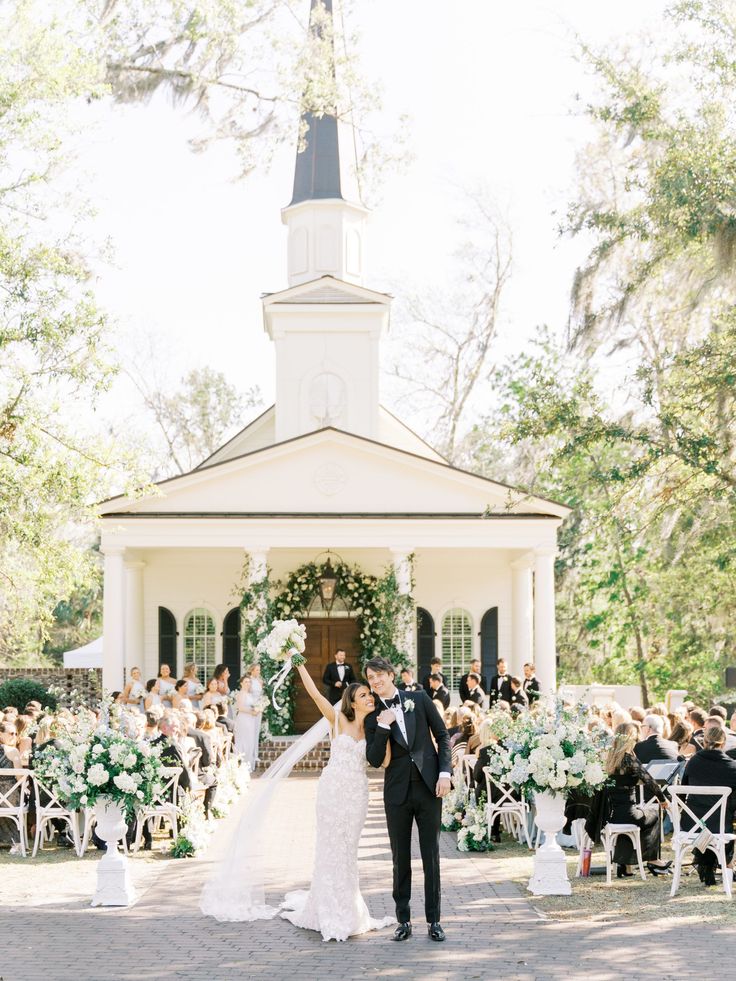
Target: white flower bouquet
285,641
453,809
550,750
472,836
81,767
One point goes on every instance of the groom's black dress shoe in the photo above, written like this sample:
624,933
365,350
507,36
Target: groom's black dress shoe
436,932
402,931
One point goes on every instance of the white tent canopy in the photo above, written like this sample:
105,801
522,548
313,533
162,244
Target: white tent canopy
89,656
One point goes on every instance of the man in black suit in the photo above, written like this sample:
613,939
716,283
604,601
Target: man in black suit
500,689
475,692
519,700
530,684
462,688
415,780
435,667
337,677
697,718
437,690
407,681
652,745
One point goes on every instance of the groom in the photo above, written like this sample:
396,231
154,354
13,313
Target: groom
415,781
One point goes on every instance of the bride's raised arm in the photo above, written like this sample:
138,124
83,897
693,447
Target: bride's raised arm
319,700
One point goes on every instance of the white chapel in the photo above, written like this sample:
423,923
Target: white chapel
328,469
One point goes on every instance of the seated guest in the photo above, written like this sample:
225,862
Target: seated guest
486,740
696,718
474,689
452,721
437,690
463,689
222,717
171,752
179,697
710,767
729,747
151,730
530,685
637,714
407,682
519,700
466,730
619,804
720,712
435,667
651,745
8,742
661,709
682,734
213,695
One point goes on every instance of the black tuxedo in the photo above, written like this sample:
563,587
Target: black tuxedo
654,747
332,676
171,756
503,693
425,683
414,686
476,695
531,688
463,690
519,699
440,694
409,795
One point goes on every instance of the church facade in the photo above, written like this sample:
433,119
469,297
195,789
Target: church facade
327,469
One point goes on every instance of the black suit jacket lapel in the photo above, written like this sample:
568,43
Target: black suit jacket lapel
410,723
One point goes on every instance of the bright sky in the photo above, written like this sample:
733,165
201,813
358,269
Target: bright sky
490,87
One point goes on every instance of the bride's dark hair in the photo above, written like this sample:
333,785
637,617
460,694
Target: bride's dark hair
347,704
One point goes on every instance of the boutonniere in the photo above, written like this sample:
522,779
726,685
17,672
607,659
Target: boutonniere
408,705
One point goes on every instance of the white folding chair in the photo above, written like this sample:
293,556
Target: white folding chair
165,805
512,812
610,835
52,810
457,753
14,803
685,841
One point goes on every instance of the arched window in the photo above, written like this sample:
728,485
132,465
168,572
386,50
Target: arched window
166,639
199,642
457,645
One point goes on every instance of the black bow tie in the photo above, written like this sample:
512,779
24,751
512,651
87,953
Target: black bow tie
391,702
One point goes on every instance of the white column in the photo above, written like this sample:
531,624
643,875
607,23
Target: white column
522,613
545,643
134,621
113,618
405,640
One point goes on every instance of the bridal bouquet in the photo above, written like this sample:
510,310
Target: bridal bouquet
285,640
549,751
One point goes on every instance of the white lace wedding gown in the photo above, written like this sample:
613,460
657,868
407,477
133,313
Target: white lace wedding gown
334,905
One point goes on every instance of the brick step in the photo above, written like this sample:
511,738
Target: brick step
271,749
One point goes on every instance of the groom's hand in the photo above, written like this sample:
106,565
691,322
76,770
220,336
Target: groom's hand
386,718
442,788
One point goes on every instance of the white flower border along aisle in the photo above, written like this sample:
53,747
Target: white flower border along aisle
383,613
546,753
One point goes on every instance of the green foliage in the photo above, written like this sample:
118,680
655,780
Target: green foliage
20,691
181,847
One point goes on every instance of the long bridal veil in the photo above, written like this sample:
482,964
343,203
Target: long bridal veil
235,890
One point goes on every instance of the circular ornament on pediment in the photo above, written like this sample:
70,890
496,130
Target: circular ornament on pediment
330,478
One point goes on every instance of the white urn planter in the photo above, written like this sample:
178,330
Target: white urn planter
114,886
550,867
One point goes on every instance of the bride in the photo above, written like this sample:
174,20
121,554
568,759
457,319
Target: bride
333,905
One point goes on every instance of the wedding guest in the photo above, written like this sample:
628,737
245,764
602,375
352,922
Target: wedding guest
24,742
637,714
221,675
682,734
451,720
730,744
179,698
437,690
223,718
435,667
135,691
720,711
475,692
619,804
530,684
172,753
710,767
247,724
194,688
212,695
165,683
151,730
466,730
519,700
8,741
253,671
659,708
696,718
463,689
652,745
620,717
407,682
337,677
732,723
500,688
152,698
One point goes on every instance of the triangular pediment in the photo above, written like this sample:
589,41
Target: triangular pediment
333,472
326,289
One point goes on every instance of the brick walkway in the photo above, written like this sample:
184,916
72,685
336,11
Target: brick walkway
493,932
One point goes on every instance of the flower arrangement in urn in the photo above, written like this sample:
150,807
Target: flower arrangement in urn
550,750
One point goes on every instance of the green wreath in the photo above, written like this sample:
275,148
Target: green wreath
374,600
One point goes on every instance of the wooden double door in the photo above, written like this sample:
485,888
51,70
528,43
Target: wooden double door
324,637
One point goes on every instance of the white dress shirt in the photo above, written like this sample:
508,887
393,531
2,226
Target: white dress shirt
398,711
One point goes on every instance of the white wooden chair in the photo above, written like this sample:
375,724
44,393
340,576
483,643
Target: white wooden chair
610,835
582,842
501,802
165,805
14,802
685,841
52,810
457,754
469,761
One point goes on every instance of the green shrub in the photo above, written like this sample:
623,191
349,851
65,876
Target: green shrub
182,847
20,691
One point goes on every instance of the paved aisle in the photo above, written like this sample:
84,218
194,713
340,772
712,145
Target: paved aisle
492,931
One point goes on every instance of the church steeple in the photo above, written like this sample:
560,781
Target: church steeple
325,219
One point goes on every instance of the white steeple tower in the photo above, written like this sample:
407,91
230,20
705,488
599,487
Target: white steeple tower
325,218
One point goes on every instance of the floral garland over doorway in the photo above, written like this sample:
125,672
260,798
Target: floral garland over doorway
384,612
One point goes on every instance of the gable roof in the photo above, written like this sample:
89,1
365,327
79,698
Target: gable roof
326,289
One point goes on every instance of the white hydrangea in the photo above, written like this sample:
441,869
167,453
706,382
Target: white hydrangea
97,775
97,749
124,782
594,773
130,760
116,752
